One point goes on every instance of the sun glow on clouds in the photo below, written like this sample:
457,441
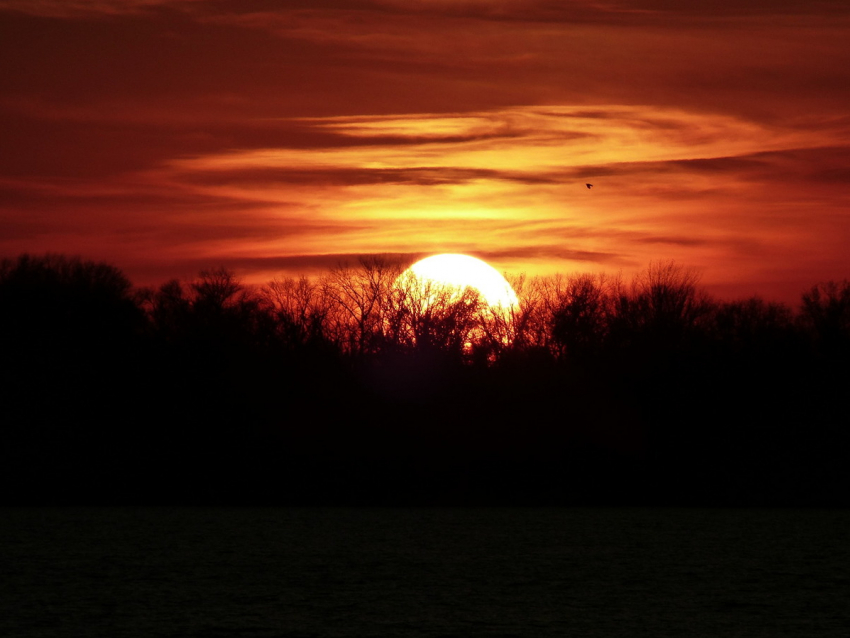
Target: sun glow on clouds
518,146
509,183
269,136
549,137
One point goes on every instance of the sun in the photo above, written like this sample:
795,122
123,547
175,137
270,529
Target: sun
462,271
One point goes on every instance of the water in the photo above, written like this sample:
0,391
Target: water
423,572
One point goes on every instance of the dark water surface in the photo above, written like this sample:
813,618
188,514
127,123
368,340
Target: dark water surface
424,572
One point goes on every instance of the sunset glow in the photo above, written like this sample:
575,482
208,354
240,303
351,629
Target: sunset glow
169,136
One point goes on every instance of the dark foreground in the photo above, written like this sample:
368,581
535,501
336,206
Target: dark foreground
418,436
343,392
350,572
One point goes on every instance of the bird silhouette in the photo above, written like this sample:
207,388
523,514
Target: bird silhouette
589,185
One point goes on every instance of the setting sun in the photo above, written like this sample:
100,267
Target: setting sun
463,271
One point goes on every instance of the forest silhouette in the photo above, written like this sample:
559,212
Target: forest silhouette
350,389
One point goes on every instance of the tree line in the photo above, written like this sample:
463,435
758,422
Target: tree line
362,386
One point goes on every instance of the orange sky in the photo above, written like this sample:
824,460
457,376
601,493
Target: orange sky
275,138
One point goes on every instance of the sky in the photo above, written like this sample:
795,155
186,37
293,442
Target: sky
285,138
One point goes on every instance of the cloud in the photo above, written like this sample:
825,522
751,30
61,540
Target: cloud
695,54
505,185
631,12
88,8
548,252
678,241
314,263
158,132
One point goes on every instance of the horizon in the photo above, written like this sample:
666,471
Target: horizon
355,264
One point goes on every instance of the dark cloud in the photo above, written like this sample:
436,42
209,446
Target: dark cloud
342,176
820,164
631,12
510,10
678,241
296,265
548,252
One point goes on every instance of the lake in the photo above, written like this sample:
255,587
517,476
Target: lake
373,572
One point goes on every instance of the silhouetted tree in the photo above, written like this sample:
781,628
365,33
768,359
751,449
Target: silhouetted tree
65,301
752,328
578,309
434,318
300,310
71,360
214,311
660,311
169,309
357,298
826,313
517,331
65,323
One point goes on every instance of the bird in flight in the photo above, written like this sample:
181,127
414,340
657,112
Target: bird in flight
589,185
